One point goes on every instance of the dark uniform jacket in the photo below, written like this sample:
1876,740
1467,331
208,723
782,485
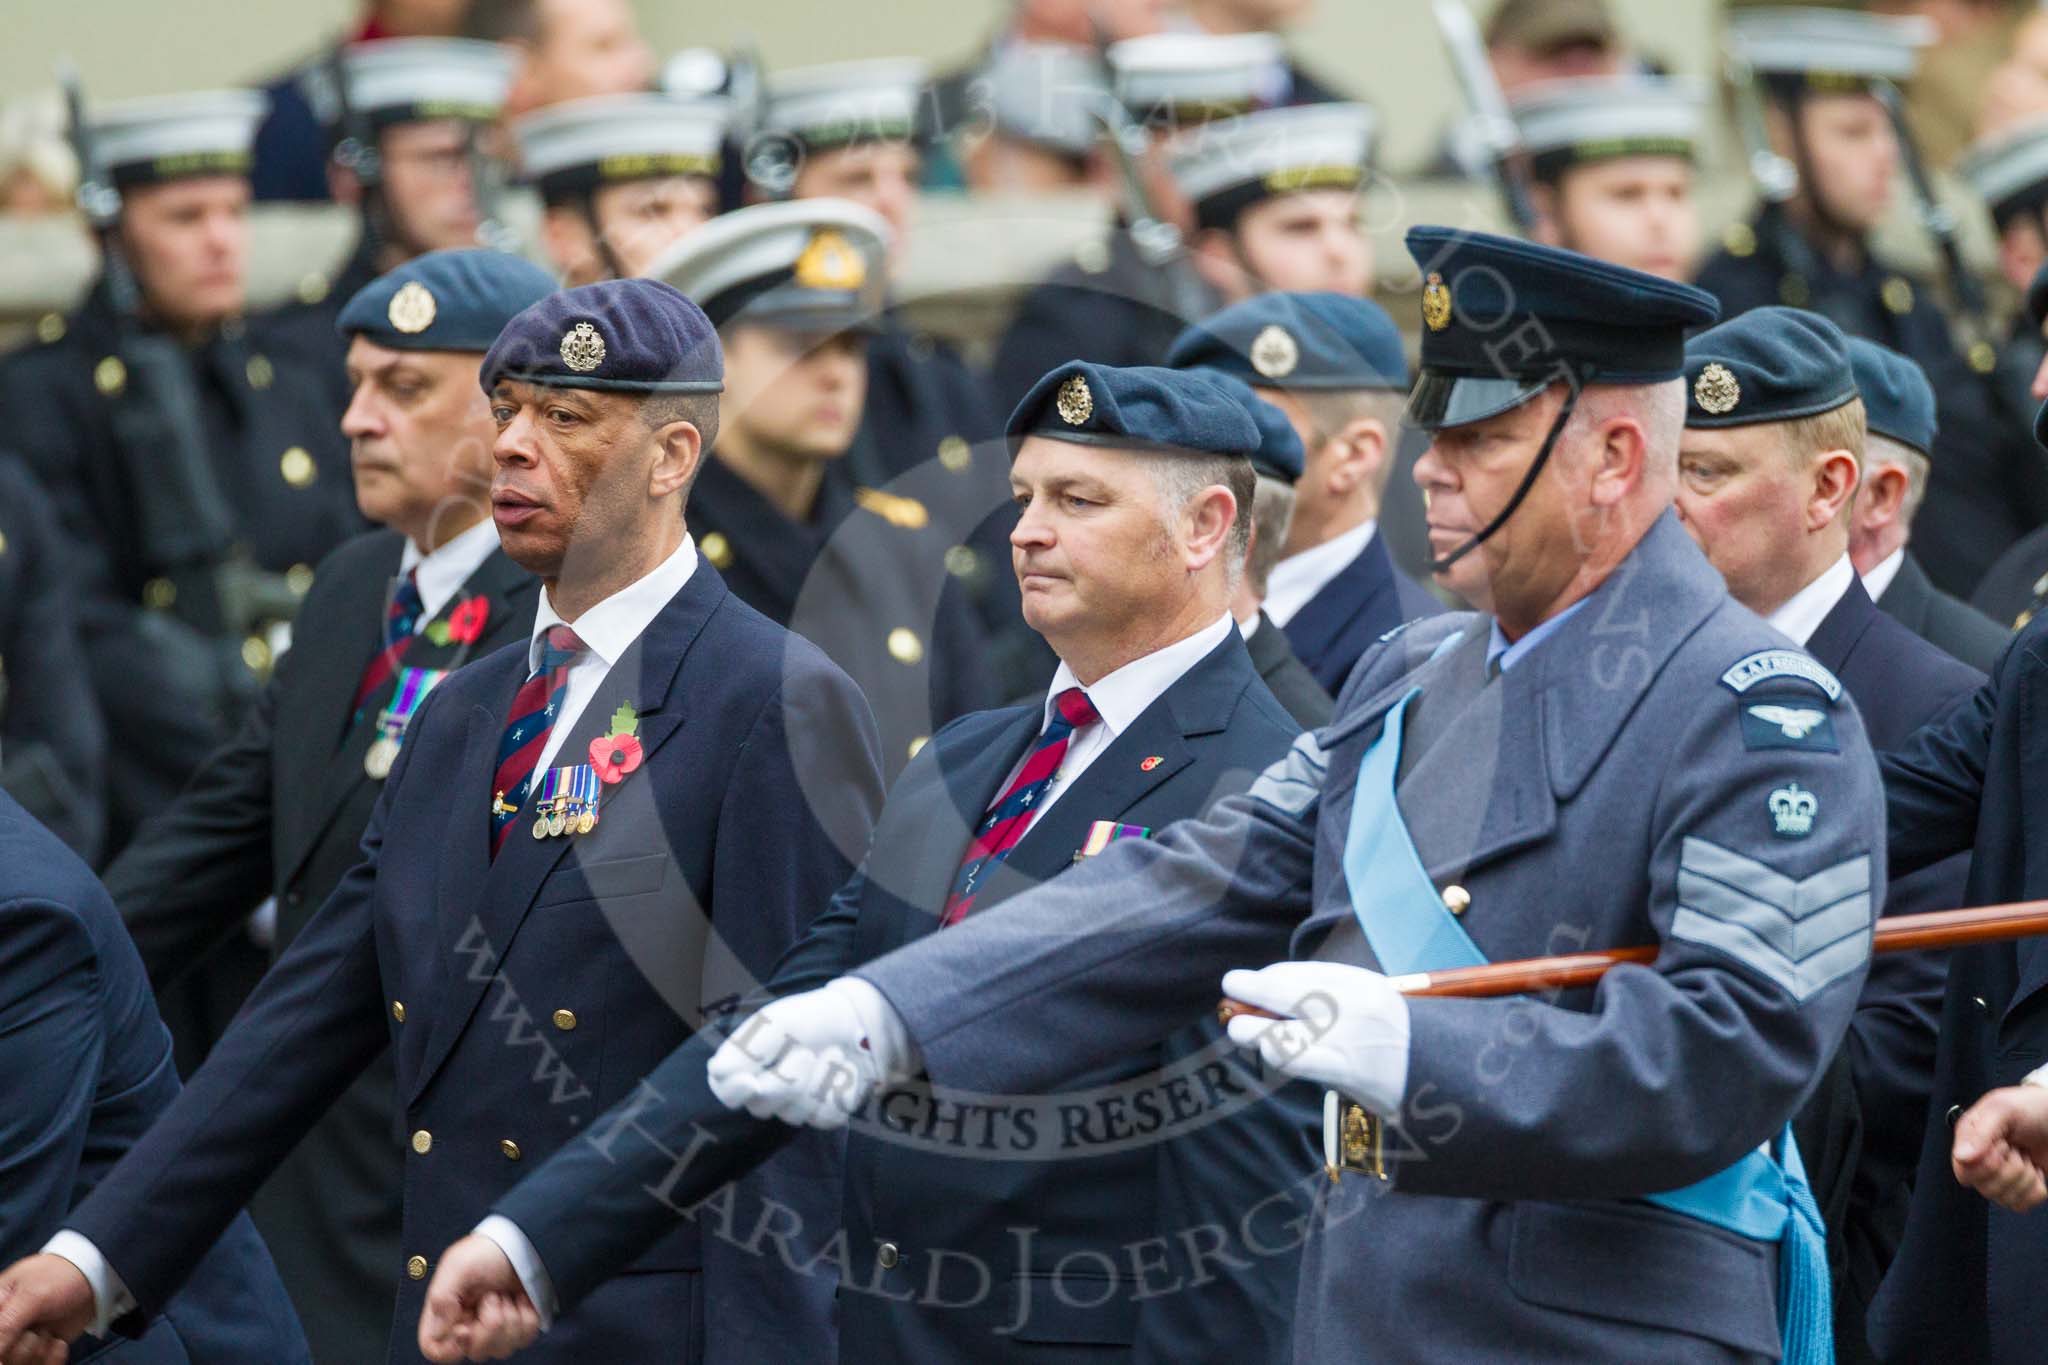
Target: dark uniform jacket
521,997
955,1220
1368,598
1287,677
85,1068
1966,1286
270,422
1989,481
1859,1135
1942,619
52,743
929,432
280,811
2016,588
1109,306
865,580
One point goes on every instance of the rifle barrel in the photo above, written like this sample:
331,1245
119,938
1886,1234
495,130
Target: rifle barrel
1940,929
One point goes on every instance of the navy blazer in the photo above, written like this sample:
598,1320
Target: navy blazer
1293,685
1368,598
924,1220
1966,1285
279,810
1860,1133
1945,621
85,1067
521,997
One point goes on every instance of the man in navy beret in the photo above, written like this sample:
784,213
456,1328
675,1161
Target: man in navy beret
584,841
1336,366
1135,498
1594,1174
1767,474
1898,408
279,812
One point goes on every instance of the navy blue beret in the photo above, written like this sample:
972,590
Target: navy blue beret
1139,406
1279,454
1897,399
445,300
1503,319
1297,341
1766,365
637,336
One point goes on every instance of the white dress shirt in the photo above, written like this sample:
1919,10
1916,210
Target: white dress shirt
1883,572
1119,698
1298,578
606,630
1801,616
439,574
1250,625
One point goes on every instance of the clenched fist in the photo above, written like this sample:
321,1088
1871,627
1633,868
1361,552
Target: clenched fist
44,1303
476,1308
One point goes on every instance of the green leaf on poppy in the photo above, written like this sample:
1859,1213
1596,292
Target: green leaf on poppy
438,632
625,720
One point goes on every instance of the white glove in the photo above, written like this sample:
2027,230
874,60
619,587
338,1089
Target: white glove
813,1059
1344,1027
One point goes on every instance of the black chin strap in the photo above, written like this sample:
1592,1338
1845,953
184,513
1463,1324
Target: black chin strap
1564,414
606,257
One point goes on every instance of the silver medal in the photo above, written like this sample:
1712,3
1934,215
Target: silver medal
382,753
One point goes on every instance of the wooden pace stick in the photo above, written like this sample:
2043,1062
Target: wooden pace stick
1896,934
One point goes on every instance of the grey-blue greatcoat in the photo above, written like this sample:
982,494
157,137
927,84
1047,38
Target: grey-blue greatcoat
1602,792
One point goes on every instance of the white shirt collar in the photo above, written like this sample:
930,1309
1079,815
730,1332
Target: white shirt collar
613,624
1297,578
1250,626
441,572
1121,697
1801,617
1883,572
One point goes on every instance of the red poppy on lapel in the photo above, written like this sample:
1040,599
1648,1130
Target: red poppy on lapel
466,622
614,756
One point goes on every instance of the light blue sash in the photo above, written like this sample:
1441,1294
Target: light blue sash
1405,921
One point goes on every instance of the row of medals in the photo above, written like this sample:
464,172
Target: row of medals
556,818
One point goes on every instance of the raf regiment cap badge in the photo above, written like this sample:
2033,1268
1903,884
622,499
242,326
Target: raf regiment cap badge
1716,390
1076,404
1274,353
412,308
582,348
1436,303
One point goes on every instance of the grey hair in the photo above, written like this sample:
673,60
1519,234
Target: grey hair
1182,477
1659,407
1881,450
1272,513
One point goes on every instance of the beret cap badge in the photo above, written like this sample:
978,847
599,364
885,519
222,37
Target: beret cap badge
1716,390
412,308
1274,353
1076,404
1436,303
582,348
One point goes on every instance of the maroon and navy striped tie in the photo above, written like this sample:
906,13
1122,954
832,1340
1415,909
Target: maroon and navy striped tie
400,619
1005,821
526,733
